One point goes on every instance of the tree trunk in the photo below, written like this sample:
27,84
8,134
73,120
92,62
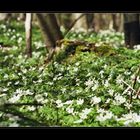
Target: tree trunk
131,30
121,23
50,29
101,21
51,32
64,19
28,30
115,18
54,27
48,37
21,16
89,19
5,17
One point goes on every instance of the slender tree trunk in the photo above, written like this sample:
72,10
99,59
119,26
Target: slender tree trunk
51,32
54,27
121,23
115,19
22,16
28,30
64,19
89,19
131,30
5,17
117,22
99,22
48,37
50,29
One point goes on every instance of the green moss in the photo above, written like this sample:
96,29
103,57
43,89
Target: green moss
105,50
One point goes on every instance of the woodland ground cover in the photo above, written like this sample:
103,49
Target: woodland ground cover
84,88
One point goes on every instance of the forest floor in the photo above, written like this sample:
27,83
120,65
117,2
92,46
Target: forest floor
80,87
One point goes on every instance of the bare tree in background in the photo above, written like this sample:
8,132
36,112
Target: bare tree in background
50,30
131,29
67,19
64,19
117,22
89,20
53,26
81,23
28,32
22,16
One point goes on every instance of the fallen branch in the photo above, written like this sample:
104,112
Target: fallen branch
130,87
134,84
136,77
138,92
74,43
22,104
20,115
135,81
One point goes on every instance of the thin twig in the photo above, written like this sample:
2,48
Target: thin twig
136,76
138,93
135,81
73,24
129,86
57,115
134,84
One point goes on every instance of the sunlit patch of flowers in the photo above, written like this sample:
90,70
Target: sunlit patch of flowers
70,110
31,108
89,83
69,102
104,115
59,103
84,114
39,98
38,44
95,100
80,101
119,99
14,125
137,47
111,92
130,118
18,94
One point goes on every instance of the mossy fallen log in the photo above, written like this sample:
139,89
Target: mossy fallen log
65,48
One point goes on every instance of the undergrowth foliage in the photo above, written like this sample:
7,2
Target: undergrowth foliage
85,88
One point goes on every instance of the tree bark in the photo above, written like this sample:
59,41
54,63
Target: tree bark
51,32
48,37
89,19
22,16
115,18
64,19
28,30
53,26
131,30
50,29
101,21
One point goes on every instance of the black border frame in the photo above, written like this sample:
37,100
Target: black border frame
71,6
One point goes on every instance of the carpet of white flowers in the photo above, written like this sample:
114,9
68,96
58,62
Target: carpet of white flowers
86,89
